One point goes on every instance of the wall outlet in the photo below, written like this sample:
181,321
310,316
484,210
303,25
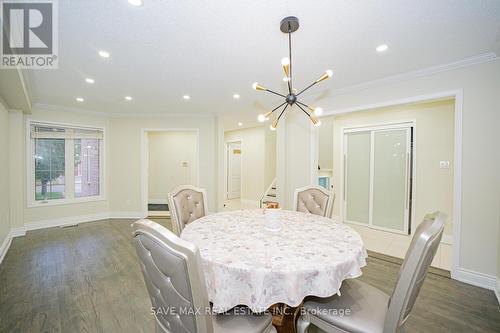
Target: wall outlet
444,164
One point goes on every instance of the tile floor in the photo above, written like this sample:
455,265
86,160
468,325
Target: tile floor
396,245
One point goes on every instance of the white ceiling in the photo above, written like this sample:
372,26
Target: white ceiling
212,49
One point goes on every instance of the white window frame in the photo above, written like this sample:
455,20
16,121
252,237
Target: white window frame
69,174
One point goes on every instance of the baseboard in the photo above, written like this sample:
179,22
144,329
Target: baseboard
18,232
158,201
5,246
447,239
475,278
65,221
72,220
126,215
497,290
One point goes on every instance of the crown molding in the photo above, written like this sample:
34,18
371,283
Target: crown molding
479,59
54,107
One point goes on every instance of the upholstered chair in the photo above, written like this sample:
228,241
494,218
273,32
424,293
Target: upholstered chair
176,285
315,200
371,310
186,204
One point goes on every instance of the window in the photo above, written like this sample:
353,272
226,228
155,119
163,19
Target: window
66,164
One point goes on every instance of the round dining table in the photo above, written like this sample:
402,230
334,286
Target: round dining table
258,257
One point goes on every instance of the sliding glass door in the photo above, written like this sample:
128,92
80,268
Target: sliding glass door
377,172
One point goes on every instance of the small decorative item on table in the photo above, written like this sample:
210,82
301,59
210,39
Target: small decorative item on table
272,220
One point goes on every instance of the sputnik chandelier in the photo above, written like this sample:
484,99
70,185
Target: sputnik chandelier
289,25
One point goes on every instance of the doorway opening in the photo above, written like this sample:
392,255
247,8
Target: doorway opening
171,159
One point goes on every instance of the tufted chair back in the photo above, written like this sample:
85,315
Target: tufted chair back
315,200
174,279
186,204
418,258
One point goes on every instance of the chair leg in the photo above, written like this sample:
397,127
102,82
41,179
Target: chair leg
303,325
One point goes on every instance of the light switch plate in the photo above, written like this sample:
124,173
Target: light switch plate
444,164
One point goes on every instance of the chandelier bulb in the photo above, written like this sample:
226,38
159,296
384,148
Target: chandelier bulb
318,111
257,86
274,125
328,74
261,118
285,62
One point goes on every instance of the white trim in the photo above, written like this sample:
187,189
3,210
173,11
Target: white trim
18,232
158,201
5,246
447,239
65,221
497,290
74,220
127,215
69,187
54,107
457,95
475,278
145,158
475,60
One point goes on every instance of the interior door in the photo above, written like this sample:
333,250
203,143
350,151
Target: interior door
234,170
377,172
391,162
357,177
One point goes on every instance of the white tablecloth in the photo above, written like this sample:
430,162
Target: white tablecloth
247,261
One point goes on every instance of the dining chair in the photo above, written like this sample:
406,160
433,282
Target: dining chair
174,278
315,200
371,310
186,204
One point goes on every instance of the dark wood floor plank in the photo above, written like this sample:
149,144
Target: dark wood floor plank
87,279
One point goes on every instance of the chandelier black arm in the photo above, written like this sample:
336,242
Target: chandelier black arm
303,104
304,110
276,108
281,113
274,92
309,86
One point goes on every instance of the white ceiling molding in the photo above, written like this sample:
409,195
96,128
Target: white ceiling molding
482,58
61,108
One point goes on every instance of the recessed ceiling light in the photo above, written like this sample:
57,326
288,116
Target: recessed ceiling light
79,99
382,48
236,96
240,124
128,98
136,3
89,80
104,54
186,97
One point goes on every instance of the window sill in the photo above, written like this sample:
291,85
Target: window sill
57,202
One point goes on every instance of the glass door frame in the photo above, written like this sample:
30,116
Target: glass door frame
410,176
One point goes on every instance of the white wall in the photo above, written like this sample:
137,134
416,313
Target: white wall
168,151
4,174
480,154
258,159
434,135
325,151
125,145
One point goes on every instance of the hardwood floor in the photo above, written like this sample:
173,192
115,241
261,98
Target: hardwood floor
87,279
